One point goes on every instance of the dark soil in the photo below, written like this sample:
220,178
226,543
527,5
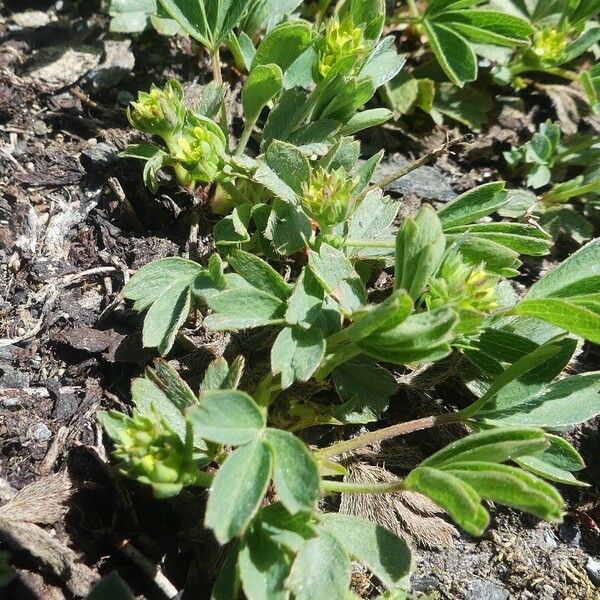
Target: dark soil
75,223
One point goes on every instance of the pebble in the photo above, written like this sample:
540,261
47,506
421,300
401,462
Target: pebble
592,568
98,157
569,534
39,127
41,432
481,589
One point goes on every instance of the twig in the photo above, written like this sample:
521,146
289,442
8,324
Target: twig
91,103
115,185
406,169
150,569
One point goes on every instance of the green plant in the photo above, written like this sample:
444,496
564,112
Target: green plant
572,166
563,32
303,231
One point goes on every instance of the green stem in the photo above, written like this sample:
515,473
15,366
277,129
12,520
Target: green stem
245,137
351,487
413,9
386,433
350,243
557,71
337,358
215,58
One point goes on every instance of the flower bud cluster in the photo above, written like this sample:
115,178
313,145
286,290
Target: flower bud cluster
151,452
341,40
327,197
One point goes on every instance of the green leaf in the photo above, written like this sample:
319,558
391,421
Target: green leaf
191,17
263,566
473,205
227,585
238,490
166,378
522,366
232,230
289,163
149,399
372,220
496,258
259,274
296,354
288,228
578,274
321,570
452,51
386,555
511,486
226,417
286,530
383,64
268,178
166,315
243,309
365,390
564,313
488,27
492,446
389,313
223,16
284,44
151,281
467,105
371,14
337,275
220,376
556,463
524,239
458,499
567,402
295,472
582,44
111,587
306,302
420,246
262,85
366,119
421,337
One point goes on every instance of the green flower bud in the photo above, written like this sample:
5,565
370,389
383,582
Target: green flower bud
470,290
200,150
327,198
149,450
160,111
341,40
549,44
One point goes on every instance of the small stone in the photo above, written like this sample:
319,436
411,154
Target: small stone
569,534
40,432
39,127
592,568
98,157
31,19
118,63
481,589
124,98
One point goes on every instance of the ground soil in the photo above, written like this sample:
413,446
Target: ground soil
75,223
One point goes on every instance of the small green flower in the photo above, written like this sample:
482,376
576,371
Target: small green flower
201,150
469,289
327,198
341,40
149,450
160,111
549,44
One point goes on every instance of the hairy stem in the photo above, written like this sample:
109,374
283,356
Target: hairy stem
350,243
386,433
351,487
215,58
245,137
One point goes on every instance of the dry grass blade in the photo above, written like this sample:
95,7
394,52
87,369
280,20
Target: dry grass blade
406,514
43,501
